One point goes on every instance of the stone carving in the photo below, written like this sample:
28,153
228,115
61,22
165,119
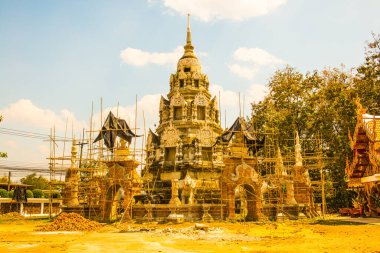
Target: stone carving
72,181
177,100
179,154
279,167
204,135
187,62
187,185
290,200
175,200
196,75
198,152
170,137
245,171
182,75
163,103
200,100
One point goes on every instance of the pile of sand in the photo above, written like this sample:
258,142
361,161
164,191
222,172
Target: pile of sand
71,222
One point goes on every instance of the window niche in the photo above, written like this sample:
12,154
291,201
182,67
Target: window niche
181,83
177,113
206,154
201,112
170,154
186,69
196,83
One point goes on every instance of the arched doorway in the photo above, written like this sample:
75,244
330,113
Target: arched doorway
114,203
245,203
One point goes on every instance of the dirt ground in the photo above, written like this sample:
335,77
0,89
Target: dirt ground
330,235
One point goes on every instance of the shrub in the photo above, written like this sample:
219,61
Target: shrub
37,193
11,193
29,194
4,193
56,195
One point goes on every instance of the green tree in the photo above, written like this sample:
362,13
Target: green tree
315,104
287,107
36,182
4,179
4,193
334,114
11,193
29,194
367,82
37,193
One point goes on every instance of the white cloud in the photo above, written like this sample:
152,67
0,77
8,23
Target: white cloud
227,98
254,60
27,115
257,56
230,101
139,58
243,71
238,10
256,92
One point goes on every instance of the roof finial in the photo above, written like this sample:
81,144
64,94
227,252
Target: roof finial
188,39
189,48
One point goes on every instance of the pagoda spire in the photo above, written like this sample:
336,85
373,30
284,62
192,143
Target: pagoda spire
189,48
188,38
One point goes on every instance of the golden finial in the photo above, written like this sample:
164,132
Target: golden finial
188,21
188,47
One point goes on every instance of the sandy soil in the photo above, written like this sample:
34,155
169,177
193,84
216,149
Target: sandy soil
330,235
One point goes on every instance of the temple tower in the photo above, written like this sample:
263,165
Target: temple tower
189,125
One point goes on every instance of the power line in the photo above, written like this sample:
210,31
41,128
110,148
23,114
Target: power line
28,134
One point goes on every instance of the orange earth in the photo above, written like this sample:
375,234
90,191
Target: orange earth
330,235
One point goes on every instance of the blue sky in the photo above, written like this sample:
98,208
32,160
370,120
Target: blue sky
57,57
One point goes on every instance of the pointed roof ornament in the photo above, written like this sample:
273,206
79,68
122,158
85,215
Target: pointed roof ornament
297,150
189,59
279,167
189,48
188,38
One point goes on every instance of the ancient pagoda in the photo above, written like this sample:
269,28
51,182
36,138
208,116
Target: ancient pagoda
180,151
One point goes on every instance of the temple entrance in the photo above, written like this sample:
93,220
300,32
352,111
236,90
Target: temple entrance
245,203
114,203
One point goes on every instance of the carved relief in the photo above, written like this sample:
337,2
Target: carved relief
200,100
170,137
179,154
182,75
205,136
196,75
177,100
163,104
245,171
187,62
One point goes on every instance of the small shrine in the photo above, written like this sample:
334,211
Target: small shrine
363,172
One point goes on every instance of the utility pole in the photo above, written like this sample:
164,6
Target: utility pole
9,180
320,163
323,194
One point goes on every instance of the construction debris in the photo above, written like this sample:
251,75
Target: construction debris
71,222
199,226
